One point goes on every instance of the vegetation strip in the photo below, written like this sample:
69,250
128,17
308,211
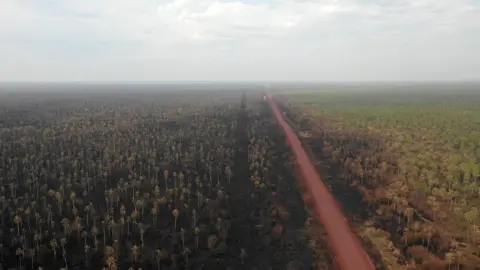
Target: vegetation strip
412,155
349,254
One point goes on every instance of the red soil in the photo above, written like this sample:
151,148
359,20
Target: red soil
345,246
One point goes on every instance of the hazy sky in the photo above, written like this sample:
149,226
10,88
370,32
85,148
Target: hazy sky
169,40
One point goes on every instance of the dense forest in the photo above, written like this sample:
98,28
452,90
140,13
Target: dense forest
414,156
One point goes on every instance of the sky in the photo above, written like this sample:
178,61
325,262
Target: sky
239,40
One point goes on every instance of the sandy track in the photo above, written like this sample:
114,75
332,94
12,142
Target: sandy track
345,246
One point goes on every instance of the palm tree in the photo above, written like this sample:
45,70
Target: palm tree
135,253
31,255
20,254
449,258
176,214
63,242
243,255
17,220
165,177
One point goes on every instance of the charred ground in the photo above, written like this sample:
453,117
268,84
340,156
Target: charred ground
197,180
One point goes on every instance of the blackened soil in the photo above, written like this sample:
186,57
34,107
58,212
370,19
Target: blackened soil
265,249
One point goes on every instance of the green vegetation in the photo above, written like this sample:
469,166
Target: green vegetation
414,154
438,134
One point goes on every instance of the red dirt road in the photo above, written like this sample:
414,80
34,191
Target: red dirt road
346,247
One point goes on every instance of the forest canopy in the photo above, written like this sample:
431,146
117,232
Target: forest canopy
433,135
412,154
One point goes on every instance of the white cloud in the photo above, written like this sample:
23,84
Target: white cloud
235,40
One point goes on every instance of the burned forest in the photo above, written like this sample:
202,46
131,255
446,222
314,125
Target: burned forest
154,180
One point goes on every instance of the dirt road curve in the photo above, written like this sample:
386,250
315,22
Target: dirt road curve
346,247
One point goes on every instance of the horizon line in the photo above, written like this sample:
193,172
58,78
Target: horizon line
234,82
